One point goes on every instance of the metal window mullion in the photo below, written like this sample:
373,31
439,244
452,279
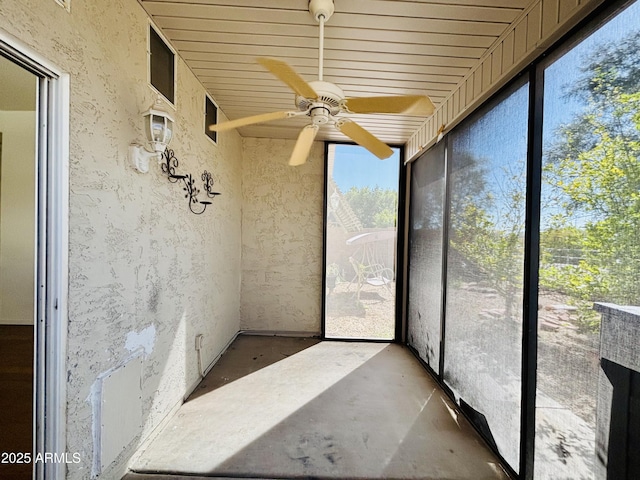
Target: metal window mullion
446,212
401,271
325,223
406,299
531,274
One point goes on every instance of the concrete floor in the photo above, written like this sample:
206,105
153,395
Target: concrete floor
288,408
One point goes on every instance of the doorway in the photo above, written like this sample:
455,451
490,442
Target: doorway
360,256
18,147
34,191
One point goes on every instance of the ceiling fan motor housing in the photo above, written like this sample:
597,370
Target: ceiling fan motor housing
320,8
319,114
330,97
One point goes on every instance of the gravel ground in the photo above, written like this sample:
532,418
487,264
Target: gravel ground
371,317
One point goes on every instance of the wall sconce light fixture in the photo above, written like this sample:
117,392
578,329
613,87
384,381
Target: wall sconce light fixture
158,126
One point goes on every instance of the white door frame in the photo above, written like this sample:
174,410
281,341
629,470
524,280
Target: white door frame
52,172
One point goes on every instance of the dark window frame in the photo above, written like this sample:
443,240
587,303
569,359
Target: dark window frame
213,136
166,91
400,250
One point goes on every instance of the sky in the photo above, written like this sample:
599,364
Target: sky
355,166
561,75
566,70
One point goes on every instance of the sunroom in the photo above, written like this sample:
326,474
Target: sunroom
327,239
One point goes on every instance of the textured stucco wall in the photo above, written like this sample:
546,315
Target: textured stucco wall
281,237
17,216
145,274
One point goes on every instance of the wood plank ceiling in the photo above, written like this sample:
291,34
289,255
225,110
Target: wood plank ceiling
372,47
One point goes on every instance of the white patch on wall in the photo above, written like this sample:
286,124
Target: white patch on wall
144,339
120,410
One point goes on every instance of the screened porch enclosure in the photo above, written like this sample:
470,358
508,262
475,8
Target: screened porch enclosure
522,231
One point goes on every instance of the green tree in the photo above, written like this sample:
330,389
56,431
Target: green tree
487,230
375,207
593,176
563,245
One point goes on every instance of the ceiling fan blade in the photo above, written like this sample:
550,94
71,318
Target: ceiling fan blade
303,145
241,122
289,76
362,137
407,104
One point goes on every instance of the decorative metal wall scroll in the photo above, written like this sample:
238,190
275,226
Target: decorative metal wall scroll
169,166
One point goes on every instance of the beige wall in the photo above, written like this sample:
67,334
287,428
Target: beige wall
281,237
17,216
146,275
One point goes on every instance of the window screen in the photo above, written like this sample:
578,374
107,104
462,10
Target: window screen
485,267
589,248
426,255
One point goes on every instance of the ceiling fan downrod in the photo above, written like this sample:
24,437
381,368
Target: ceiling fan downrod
324,102
321,11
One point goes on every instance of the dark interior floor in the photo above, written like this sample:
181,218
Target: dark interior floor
16,397
297,408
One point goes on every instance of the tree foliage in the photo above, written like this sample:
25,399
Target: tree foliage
487,229
375,207
593,177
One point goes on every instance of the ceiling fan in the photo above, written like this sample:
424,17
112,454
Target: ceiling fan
325,102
